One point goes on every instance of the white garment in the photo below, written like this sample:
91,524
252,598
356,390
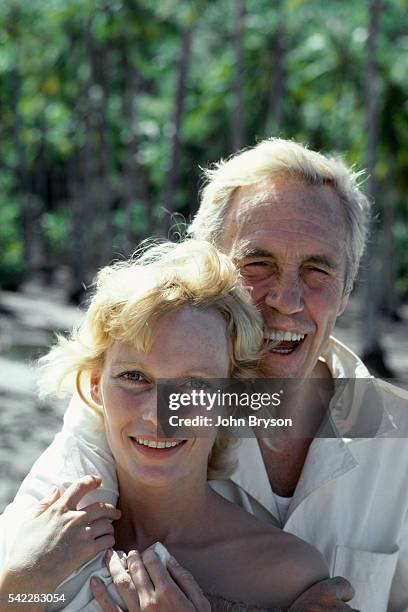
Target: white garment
351,500
282,504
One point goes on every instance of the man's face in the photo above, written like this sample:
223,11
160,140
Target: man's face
288,239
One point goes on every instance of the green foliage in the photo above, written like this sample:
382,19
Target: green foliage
12,265
88,86
401,244
56,225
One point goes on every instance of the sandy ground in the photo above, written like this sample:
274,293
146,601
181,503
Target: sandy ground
27,325
27,425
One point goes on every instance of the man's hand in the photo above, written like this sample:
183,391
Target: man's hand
148,585
329,595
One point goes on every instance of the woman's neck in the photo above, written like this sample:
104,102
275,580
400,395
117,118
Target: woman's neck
165,514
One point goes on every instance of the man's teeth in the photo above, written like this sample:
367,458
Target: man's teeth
153,444
282,336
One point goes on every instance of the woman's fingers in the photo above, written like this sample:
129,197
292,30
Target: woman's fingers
157,572
104,542
100,592
78,489
141,580
45,503
100,510
188,585
168,594
99,528
122,581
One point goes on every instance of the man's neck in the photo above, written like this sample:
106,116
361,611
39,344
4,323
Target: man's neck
284,457
284,463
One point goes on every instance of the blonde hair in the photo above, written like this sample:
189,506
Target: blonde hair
130,300
276,156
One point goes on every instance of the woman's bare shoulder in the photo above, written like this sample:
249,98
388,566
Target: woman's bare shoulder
272,566
275,568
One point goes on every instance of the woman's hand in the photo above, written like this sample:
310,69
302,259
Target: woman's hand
57,539
148,586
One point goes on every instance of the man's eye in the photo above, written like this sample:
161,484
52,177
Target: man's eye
256,263
254,267
315,270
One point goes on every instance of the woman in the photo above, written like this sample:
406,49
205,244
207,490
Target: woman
178,312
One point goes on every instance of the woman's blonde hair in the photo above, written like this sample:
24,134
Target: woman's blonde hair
132,297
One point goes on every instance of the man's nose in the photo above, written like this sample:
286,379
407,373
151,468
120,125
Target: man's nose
285,296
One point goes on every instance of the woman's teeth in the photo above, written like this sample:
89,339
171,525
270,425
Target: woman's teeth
153,444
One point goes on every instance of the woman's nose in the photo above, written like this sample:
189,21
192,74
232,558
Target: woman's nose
148,412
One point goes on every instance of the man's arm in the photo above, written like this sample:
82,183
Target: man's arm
219,604
330,594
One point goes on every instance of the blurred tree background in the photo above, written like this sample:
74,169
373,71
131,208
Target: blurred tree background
108,108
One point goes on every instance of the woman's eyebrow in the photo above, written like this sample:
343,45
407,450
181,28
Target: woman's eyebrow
135,365
202,372
122,363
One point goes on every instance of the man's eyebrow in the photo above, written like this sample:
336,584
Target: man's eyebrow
322,260
246,252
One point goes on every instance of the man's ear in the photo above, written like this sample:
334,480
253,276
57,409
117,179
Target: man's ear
95,387
343,303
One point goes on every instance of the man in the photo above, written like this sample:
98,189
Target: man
295,222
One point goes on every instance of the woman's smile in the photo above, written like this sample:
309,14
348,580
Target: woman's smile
157,449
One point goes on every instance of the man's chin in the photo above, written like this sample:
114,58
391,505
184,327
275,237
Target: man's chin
275,365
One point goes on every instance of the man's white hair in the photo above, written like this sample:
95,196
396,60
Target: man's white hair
272,157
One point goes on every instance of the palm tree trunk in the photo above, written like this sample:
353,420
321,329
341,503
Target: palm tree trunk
238,122
172,173
373,351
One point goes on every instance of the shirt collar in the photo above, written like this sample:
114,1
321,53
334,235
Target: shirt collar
327,459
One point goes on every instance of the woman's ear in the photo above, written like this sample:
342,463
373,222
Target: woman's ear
95,388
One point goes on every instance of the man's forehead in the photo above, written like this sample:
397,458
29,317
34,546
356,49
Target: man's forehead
290,191
290,219
279,206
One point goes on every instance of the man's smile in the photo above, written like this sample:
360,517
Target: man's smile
281,342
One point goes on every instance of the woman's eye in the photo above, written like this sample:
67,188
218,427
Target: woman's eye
133,377
196,383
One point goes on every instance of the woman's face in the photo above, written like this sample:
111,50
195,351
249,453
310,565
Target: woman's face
189,344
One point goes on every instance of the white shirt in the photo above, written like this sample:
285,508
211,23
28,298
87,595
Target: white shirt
282,504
